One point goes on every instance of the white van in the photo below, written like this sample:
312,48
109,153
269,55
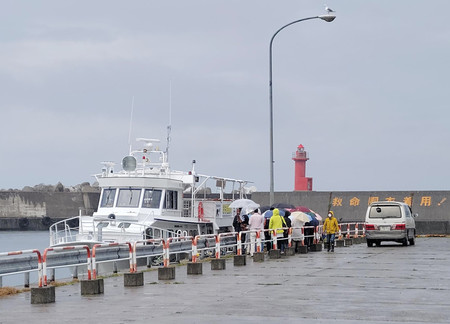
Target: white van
390,221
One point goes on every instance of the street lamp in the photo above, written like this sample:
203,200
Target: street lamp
327,18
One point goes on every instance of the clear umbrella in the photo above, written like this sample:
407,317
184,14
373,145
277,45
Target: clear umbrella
301,216
244,204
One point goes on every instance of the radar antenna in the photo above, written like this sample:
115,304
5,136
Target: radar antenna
129,163
149,142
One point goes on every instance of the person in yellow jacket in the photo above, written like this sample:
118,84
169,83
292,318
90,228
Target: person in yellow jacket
330,227
277,222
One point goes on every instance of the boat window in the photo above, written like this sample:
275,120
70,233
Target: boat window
128,197
187,208
108,197
171,201
385,211
152,197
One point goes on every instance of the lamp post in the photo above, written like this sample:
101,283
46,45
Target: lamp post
327,18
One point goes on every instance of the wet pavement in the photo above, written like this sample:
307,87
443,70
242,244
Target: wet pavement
387,284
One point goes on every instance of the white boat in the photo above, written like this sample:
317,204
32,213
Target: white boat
148,200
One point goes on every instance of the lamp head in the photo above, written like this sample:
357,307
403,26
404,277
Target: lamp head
328,18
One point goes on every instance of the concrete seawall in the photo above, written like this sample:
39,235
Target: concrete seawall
433,207
38,210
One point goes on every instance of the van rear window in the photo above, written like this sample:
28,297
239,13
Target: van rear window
385,211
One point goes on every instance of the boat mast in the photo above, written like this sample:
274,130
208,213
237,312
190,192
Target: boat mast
131,123
169,127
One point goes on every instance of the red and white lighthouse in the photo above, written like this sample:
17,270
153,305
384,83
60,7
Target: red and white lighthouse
300,157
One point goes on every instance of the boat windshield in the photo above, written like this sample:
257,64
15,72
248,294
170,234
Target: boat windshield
128,197
152,197
385,212
108,198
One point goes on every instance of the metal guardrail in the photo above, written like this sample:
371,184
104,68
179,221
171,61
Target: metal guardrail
25,267
206,245
64,263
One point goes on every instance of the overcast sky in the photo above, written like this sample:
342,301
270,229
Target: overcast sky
367,95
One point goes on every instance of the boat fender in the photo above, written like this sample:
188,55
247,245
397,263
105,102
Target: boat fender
46,221
201,213
24,222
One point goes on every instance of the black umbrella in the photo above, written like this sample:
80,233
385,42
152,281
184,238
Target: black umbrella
313,222
283,205
264,208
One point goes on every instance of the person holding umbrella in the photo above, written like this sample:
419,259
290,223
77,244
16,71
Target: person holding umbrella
240,223
256,223
297,222
330,227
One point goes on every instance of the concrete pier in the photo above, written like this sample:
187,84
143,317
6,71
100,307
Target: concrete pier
133,279
274,254
92,287
258,257
43,295
218,264
166,273
339,243
240,260
290,251
353,273
194,268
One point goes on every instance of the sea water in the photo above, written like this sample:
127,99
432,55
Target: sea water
19,241
24,240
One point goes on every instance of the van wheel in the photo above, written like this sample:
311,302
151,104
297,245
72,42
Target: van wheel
412,240
405,242
369,243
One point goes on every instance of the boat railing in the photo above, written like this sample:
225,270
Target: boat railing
87,229
64,231
204,192
222,209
